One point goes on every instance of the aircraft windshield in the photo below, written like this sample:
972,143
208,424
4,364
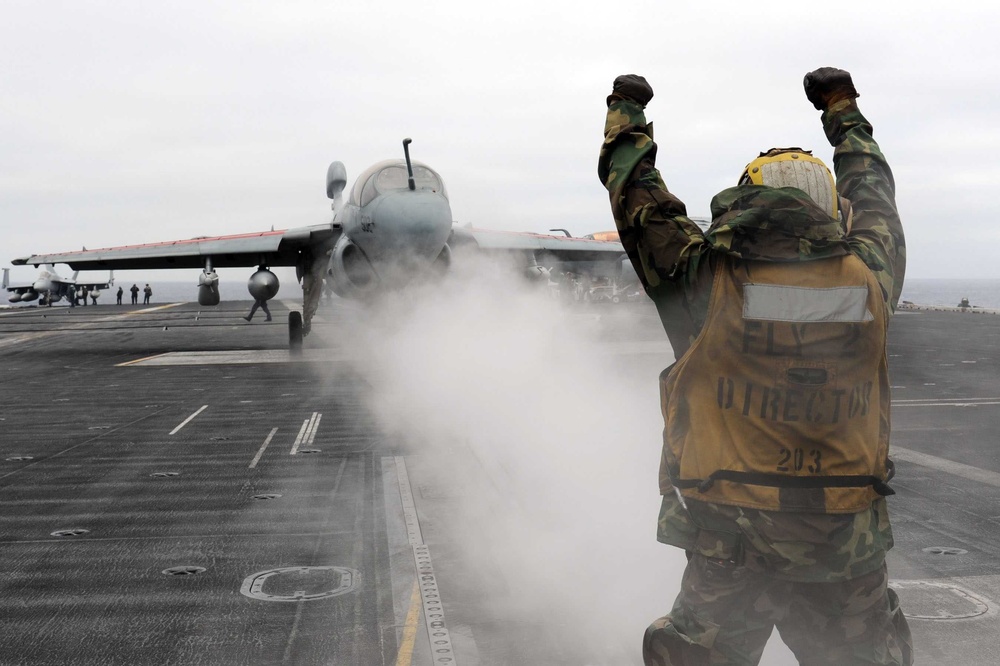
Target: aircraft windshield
386,177
395,178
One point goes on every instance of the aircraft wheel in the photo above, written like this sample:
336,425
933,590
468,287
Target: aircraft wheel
295,332
616,299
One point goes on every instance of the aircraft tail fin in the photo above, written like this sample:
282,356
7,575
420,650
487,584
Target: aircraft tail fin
75,273
6,277
111,278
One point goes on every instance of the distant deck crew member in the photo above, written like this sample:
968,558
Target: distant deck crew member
258,303
775,465
120,292
146,293
135,294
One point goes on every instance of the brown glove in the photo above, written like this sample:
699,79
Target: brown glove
827,86
631,87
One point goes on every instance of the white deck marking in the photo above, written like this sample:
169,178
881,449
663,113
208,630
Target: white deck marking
71,326
25,338
942,609
311,436
241,357
430,596
189,419
256,458
334,355
298,439
307,433
979,474
946,402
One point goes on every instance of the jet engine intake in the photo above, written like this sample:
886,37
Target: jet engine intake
208,288
350,271
263,285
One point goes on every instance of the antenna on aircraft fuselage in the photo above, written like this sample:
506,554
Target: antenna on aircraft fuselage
409,167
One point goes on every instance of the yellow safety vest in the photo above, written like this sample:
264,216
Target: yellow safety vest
782,401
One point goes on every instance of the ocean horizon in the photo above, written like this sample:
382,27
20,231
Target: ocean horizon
983,293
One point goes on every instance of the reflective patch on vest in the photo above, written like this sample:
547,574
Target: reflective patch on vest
773,302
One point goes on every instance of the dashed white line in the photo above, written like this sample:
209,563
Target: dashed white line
311,434
298,440
307,433
256,458
189,419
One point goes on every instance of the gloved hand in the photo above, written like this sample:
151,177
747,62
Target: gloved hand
631,87
827,86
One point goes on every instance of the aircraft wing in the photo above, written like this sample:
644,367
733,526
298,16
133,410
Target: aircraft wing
559,248
276,248
18,288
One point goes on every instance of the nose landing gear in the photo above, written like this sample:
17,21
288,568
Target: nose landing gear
295,333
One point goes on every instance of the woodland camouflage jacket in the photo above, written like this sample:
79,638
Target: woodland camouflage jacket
675,260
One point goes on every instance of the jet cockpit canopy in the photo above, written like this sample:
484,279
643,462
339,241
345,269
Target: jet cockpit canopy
391,175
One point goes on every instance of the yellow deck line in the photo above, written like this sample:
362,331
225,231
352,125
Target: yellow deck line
405,655
140,360
158,307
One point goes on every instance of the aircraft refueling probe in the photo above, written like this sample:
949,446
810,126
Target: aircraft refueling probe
409,167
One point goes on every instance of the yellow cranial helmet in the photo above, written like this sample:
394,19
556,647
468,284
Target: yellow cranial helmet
794,167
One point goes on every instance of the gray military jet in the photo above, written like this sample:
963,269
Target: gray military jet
49,287
395,226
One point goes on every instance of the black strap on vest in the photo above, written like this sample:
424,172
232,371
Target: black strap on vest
782,481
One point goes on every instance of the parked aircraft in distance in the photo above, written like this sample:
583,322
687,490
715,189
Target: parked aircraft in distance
395,225
49,287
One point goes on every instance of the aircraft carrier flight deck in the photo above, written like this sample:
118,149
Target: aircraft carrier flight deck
175,488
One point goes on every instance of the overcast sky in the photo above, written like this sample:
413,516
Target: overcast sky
137,122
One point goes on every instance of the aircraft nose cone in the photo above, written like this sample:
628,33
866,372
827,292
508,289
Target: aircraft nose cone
416,224
42,285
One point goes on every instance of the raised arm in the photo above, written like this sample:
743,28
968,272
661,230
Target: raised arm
663,244
863,177
652,222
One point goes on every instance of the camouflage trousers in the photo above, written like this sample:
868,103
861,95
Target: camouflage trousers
725,613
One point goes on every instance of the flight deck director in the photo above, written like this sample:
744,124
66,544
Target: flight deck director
774,469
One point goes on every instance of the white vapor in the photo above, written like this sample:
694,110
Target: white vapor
541,422
553,448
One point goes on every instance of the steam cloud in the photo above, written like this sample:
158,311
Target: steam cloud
543,426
